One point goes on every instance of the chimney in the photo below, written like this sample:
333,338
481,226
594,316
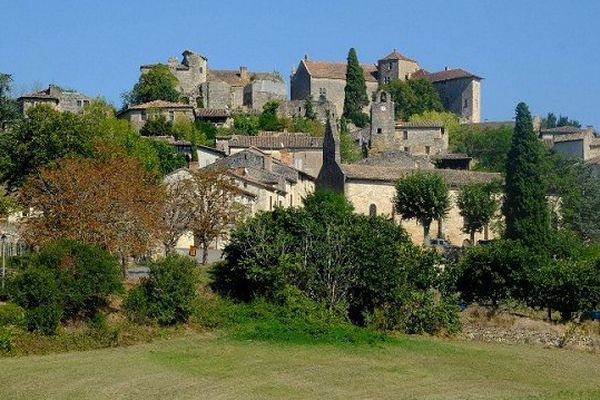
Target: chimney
537,123
446,68
172,62
244,72
268,162
306,57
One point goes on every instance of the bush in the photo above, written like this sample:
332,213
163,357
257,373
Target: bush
167,295
12,314
36,290
6,340
86,276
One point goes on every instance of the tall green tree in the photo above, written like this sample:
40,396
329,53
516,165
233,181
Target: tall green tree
526,208
477,205
268,120
423,196
355,91
414,96
8,106
158,83
309,110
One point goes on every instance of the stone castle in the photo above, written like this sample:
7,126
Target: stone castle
460,91
223,89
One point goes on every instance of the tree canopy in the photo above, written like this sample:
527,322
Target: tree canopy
158,83
413,96
477,205
424,197
551,121
8,106
489,146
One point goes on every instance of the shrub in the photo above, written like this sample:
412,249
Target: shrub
36,290
86,276
6,340
12,314
167,295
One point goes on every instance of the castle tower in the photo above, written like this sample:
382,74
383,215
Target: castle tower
395,66
382,117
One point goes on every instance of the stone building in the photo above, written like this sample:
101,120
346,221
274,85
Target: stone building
299,150
138,115
326,81
573,142
418,138
223,89
370,187
460,91
56,97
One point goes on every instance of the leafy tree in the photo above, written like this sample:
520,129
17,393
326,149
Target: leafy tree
579,191
477,205
309,111
355,92
249,124
268,120
39,140
86,276
450,120
167,295
413,96
550,121
110,201
212,205
495,272
526,208
424,197
208,132
489,146
157,125
8,107
158,83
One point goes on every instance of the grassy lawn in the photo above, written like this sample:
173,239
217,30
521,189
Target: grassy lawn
215,367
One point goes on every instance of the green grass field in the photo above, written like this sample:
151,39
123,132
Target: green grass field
217,367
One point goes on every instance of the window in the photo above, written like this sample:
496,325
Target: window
201,70
322,91
299,109
427,149
389,66
79,103
270,203
386,79
379,130
406,77
86,102
143,115
372,210
466,103
245,185
405,135
171,115
407,149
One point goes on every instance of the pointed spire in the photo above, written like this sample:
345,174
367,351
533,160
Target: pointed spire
331,142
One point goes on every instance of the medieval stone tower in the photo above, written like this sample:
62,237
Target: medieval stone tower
395,67
382,116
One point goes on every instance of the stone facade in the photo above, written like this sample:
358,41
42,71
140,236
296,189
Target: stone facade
56,97
297,108
138,115
573,142
371,188
459,90
223,89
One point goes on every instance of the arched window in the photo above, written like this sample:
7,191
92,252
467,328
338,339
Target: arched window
372,210
383,97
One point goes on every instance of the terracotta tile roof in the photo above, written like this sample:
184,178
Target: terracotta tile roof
447,75
42,94
212,112
234,77
420,124
451,156
570,137
397,159
395,55
332,70
160,104
277,141
453,177
421,73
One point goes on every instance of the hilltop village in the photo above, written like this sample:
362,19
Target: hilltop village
280,168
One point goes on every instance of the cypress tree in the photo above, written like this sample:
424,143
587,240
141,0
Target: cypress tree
355,91
526,207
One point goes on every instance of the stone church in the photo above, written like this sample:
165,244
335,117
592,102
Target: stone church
370,186
460,91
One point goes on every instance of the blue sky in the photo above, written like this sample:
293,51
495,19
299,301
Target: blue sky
546,53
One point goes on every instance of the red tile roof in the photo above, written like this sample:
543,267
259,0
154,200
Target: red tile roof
277,141
333,70
212,112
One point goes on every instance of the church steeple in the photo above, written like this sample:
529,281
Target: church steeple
331,175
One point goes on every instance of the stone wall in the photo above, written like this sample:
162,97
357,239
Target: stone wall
216,94
462,97
414,140
572,148
363,194
260,91
138,118
296,108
